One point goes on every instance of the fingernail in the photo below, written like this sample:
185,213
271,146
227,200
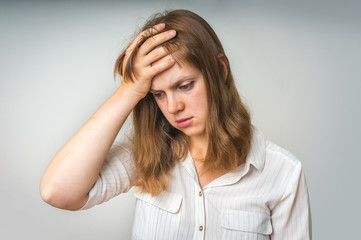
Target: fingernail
161,25
172,32
172,60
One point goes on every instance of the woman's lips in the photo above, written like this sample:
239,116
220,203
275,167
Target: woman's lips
184,122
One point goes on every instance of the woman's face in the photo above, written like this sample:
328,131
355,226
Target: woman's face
181,95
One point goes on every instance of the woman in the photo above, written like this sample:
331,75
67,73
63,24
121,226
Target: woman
201,170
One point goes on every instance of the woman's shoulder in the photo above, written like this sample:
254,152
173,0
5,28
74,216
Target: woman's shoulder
276,153
265,152
282,164
271,156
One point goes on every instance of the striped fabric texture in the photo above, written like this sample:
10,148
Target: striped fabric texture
265,198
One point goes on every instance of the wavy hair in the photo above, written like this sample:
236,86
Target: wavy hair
157,145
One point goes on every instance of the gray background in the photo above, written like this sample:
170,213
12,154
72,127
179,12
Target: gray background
297,66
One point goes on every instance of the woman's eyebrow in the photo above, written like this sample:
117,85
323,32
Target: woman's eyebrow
176,83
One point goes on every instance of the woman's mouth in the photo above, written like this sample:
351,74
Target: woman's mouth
184,122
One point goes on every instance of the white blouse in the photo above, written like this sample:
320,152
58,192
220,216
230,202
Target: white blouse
265,198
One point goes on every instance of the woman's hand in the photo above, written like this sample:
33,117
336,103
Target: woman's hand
149,61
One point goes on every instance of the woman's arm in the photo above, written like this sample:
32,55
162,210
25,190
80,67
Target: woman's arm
291,217
75,167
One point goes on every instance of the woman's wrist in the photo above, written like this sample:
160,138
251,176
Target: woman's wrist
131,93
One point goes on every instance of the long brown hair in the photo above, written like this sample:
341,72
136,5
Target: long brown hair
157,145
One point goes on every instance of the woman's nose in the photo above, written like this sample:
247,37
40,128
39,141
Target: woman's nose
175,104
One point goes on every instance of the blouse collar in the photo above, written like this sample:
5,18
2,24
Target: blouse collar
256,157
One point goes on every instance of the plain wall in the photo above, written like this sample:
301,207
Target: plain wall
297,67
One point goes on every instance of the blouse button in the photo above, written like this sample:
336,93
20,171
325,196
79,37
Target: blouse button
200,193
200,228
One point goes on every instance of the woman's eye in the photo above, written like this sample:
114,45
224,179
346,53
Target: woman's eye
186,86
158,95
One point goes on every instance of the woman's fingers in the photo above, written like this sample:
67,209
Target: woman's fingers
156,40
151,31
150,51
161,65
154,56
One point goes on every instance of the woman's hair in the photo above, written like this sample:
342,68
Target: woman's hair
157,145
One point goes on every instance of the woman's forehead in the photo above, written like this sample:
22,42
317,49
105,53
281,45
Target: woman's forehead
174,75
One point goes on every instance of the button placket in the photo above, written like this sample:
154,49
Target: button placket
200,214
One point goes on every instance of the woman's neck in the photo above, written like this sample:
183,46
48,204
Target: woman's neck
198,148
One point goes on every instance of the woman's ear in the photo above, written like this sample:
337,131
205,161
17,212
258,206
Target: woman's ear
224,62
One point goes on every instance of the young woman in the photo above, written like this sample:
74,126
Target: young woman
200,169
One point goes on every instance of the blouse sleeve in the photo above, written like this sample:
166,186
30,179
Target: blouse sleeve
115,177
291,217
